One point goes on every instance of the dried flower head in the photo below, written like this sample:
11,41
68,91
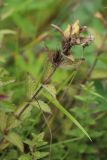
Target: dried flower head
71,36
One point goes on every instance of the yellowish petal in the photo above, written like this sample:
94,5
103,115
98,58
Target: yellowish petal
67,31
76,27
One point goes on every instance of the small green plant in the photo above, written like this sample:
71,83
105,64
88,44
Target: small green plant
53,96
12,119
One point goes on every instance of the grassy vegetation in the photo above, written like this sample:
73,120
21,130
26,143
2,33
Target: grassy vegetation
52,92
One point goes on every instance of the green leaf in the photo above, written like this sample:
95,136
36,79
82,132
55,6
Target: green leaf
2,84
12,122
3,72
3,121
30,85
4,145
7,31
15,139
11,155
42,105
6,106
39,155
23,23
38,139
81,98
63,110
97,95
50,89
25,157
8,13
99,74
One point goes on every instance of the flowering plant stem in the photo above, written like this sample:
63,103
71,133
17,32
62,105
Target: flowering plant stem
37,91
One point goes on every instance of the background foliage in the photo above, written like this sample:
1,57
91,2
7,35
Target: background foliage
24,28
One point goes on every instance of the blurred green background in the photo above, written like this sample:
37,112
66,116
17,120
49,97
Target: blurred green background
25,28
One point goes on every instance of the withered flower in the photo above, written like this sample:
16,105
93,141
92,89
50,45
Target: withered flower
69,31
71,36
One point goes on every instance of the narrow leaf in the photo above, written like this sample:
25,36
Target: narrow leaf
7,31
3,120
63,110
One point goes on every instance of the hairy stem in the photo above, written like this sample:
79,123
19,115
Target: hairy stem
37,92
